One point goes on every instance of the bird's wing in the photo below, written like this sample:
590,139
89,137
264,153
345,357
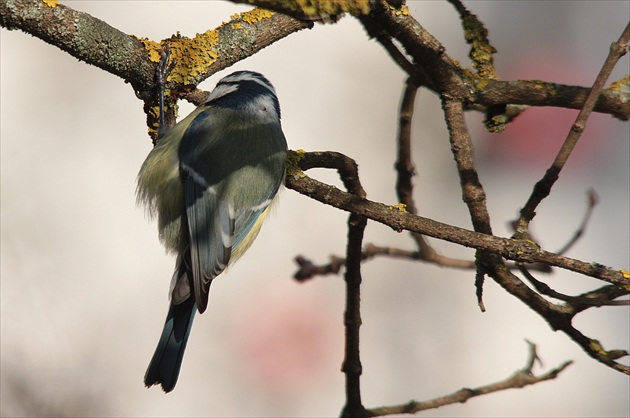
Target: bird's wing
210,218
231,171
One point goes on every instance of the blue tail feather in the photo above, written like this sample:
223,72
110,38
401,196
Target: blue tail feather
167,359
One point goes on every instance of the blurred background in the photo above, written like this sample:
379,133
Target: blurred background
84,289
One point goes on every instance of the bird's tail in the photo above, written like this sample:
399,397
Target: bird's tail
167,359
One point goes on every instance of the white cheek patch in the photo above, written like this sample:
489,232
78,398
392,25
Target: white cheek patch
221,90
265,108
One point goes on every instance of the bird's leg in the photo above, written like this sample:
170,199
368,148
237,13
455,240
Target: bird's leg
162,72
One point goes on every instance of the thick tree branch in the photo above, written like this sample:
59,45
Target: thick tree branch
435,70
542,93
427,52
83,36
513,249
95,42
315,10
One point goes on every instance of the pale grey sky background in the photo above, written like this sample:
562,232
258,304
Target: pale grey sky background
84,280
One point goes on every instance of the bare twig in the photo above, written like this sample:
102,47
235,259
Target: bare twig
352,318
348,172
543,187
608,292
308,269
559,317
519,379
592,201
573,300
461,145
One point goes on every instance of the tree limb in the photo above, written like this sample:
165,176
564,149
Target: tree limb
399,220
134,60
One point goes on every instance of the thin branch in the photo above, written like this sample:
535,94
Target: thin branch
352,318
544,288
608,292
559,317
592,201
543,187
349,173
521,378
415,73
404,164
308,269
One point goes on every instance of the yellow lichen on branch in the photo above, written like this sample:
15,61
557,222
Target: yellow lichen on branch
401,207
293,159
195,55
254,16
315,9
152,47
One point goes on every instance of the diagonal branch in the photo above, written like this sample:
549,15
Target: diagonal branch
543,187
84,37
399,220
520,379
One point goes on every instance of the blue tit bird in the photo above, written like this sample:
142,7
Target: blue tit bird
210,181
